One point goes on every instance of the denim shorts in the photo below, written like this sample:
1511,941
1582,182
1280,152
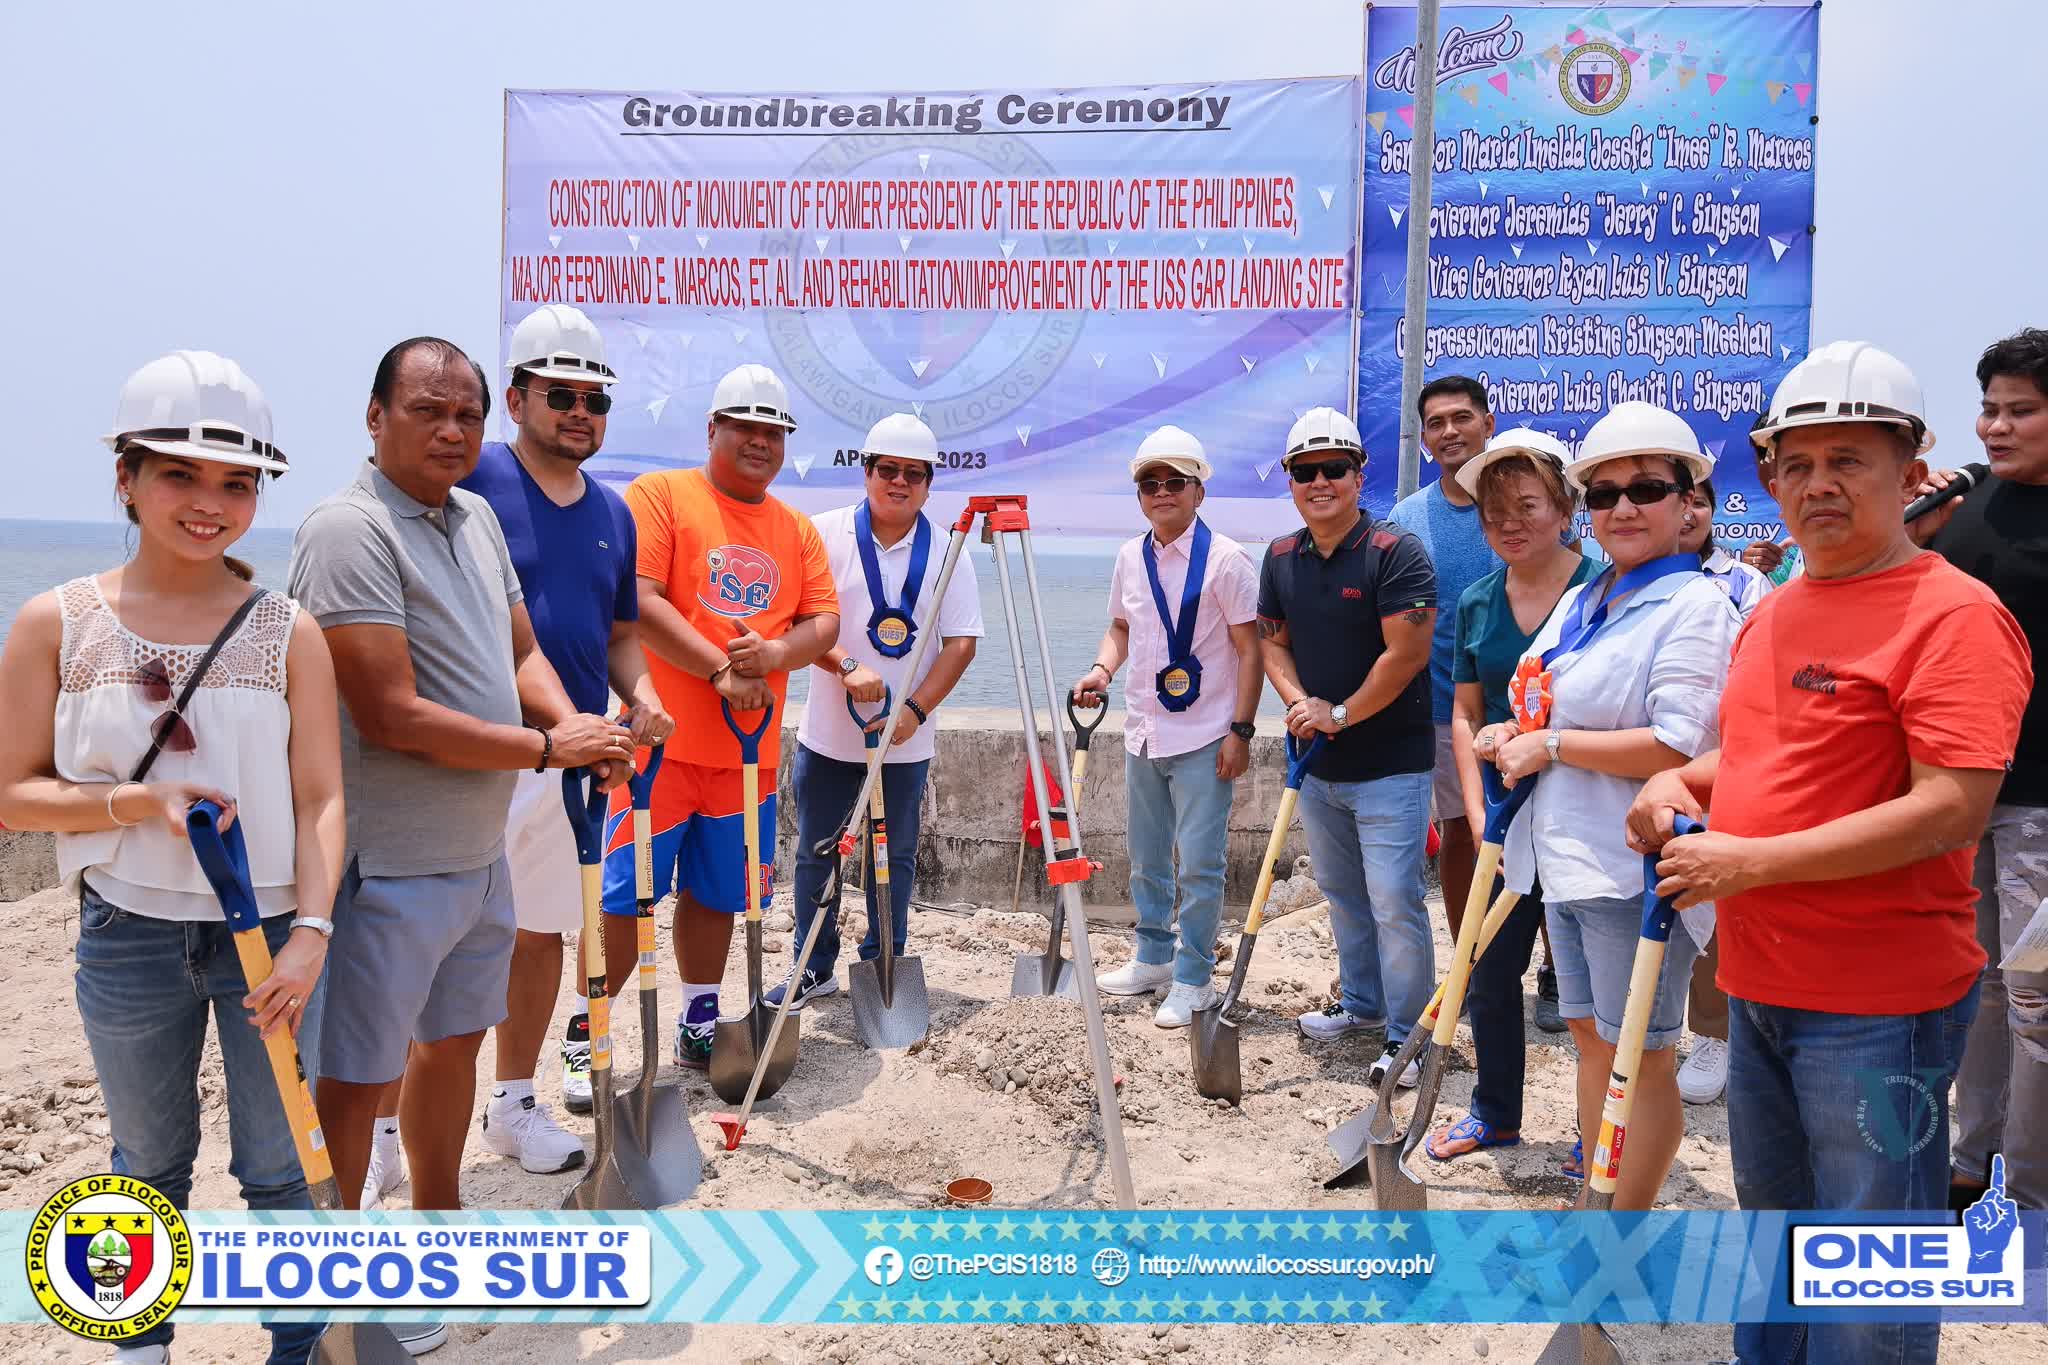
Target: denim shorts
1593,946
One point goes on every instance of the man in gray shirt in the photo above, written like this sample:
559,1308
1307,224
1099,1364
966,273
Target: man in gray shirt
445,697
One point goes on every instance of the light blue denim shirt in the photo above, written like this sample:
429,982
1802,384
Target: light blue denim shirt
1660,661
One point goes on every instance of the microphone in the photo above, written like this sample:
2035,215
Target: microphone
1968,477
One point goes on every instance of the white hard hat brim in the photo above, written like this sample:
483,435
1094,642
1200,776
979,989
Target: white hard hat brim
761,415
195,450
1702,466
1193,466
868,454
1766,437
1469,472
568,374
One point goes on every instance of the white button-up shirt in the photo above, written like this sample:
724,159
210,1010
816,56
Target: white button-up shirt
827,728
1230,597
1660,660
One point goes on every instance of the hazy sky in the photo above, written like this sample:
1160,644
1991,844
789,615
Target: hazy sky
298,186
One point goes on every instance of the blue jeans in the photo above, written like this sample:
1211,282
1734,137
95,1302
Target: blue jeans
825,790
145,988
1841,1111
1178,806
1494,1004
1366,841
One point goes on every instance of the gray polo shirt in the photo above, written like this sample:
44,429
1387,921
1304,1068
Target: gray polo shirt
373,555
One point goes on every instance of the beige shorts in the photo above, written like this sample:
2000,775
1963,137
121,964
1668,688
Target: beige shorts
547,885
1446,793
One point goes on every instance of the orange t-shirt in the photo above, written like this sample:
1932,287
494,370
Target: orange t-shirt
1835,687
729,567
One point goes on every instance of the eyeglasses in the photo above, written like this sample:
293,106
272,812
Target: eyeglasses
168,731
1175,483
564,400
1336,471
912,474
1602,497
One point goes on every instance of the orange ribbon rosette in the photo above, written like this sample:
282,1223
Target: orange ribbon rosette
1529,694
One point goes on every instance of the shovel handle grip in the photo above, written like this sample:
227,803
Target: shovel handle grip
871,738
585,806
1300,756
1085,730
641,783
750,740
1503,802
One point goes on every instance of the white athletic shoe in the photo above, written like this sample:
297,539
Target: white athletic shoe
576,1076
1705,1073
524,1128
1333,1021
386,1173
418,1338
1411,1075
1178,1009
1136,978
142,1355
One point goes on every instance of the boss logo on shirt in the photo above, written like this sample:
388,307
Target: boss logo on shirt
739,580
1351,594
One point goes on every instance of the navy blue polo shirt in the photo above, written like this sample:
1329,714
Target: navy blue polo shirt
1333,608
575,564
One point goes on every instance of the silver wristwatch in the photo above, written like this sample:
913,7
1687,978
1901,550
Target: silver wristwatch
1553,740
322,927
1341,715
847,665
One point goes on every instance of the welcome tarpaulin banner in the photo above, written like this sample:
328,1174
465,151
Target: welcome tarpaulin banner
1067,1266
1622,208
1044,276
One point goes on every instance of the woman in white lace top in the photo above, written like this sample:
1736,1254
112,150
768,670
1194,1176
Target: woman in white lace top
93,673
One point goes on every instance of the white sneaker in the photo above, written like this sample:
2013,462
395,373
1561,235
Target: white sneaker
1136,978
525,1129
1411,1075
418,1338
386,1173
576,1076
143,1355
1333,1021
1705,1073
1181,1002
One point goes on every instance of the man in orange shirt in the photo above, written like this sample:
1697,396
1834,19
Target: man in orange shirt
1872,707
735,591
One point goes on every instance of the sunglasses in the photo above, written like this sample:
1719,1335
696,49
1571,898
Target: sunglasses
912,474
1176,483
1336,471
168,731
564,400
1602,497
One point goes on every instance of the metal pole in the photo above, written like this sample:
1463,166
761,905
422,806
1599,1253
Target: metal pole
1068,895
1415,314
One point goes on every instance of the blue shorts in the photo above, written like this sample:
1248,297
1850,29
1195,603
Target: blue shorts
699,839
1593,948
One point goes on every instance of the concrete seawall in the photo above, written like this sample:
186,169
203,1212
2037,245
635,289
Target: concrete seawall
972,816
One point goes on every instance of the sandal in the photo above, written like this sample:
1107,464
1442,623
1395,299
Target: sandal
1470,1129
1575,1164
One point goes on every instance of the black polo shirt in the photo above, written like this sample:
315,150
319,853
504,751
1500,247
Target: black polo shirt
1333,608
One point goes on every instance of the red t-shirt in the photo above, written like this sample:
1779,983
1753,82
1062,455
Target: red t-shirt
1836,686
730,567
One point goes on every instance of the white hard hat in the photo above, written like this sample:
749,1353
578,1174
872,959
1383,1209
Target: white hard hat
1847,381
902,437
753,393
1322,429
556,341
1528,441
1174,448
1638,428
198,405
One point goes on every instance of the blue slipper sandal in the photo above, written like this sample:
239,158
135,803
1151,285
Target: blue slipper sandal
1473,1130
1578,1159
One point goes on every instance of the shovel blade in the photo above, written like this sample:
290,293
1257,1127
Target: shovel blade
1395,1188
736,1048
1214,1041
601,1186
1043,974
360,1343
656,1153
1580,1344
890,1014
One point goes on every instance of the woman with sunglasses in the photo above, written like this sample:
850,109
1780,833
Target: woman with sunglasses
100,673
1527,510
1636,659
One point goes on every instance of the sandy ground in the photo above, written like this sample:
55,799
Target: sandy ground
856,1129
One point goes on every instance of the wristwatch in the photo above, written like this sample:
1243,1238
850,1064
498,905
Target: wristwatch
1552,741
847,665
323,927
1243,729
1340,714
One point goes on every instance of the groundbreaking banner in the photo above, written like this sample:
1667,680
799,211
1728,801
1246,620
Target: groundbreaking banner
1622,208
1043,276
